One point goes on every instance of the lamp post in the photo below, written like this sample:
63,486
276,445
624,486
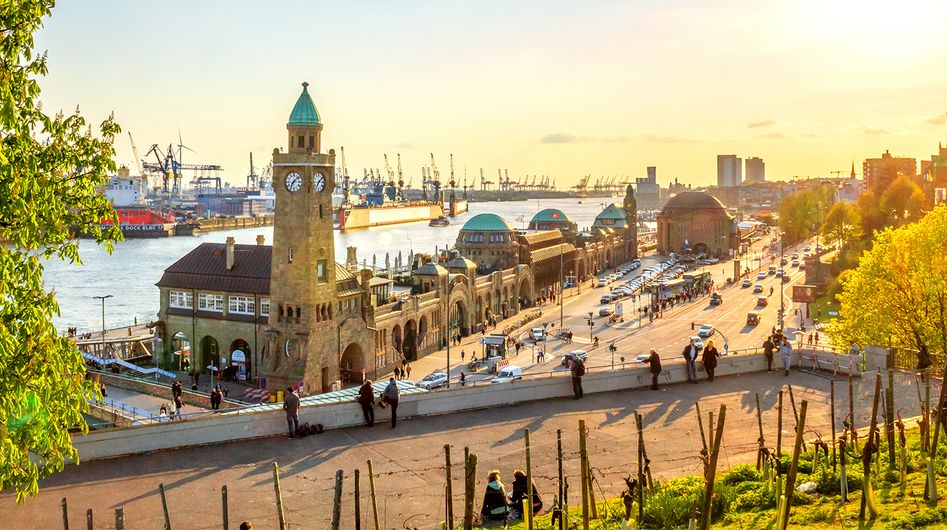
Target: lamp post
561,286
102,298
782,279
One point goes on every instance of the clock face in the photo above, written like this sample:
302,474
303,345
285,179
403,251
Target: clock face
294,181
319,182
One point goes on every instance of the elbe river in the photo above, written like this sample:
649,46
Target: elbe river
129,274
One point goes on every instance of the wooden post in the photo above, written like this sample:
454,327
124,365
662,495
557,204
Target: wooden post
223,502
120,518
779,435
337,500
358,503
584,475
279,497
851,413
710,427
371,491
593,506
641,478
794,465
926,413
795,414
89,521
528,513
65,515
832,412
889,420
450,488
470,486
562,497
761,441
700,425
164,507
710,472
866,466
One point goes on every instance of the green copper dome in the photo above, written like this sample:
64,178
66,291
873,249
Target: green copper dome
551,215
304,112
487,222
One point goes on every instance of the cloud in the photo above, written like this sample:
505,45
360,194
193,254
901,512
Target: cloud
773,136
405,145
560,138
875,131
935,120
668,139
616,139
764,123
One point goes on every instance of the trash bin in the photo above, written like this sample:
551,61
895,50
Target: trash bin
279,396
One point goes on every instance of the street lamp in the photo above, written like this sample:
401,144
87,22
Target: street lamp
102,298
561,285
591,325
782,280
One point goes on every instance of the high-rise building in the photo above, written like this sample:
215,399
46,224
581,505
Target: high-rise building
755,170
729,171
879,173
648,190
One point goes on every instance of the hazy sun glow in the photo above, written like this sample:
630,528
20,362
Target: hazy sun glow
535,87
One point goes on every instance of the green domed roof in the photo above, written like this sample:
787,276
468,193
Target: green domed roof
487,222
612,212
551,215
461,263
431,269
304,112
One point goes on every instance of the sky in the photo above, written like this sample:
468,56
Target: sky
546,87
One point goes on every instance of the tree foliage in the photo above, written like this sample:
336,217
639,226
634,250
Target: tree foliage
903,200
841,224
870,214
800,213
898,293
50,169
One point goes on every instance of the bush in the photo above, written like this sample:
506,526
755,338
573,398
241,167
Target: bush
918,519
674,502
755,499
741,473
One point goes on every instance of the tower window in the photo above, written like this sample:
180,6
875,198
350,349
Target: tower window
312,141
302,141
290,256
321,275
320,211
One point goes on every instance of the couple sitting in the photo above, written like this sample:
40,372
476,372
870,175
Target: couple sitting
498,505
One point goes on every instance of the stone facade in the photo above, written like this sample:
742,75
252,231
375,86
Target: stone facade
696,221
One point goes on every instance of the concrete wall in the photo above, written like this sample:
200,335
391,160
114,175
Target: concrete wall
230,427
194,399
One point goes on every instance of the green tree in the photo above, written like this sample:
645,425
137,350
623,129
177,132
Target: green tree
800,212
871,217
897,199
840,225
50,169
898,293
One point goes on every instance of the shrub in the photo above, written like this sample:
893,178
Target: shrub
741,473
674,502
918,519
755,499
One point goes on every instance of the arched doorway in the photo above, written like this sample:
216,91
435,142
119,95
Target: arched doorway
352,365
478,316
180,350
240,359
422,331
410,347
488,307
396,341
700,248
460,317
497,302
526,291
210,354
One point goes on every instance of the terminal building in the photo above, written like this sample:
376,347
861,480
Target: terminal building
290,315
697,222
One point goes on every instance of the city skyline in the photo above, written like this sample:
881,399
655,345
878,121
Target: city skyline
539,89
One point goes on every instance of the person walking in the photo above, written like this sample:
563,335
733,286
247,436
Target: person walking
462,355
709,359
407,371
577,370
768,349
176,389
178,406
463,379
785,351
215,398
690,355
291,406
391,397
654,362
397,373
366,398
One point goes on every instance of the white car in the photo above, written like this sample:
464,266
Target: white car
433,380
508,374
602,282
705,331
699,342
761,275
537,334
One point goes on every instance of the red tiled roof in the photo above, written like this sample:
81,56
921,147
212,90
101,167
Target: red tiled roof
205,268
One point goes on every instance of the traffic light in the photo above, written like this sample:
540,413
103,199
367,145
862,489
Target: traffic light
612,348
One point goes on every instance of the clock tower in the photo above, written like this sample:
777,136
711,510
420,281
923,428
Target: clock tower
301,335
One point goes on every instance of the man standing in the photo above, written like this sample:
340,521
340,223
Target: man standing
709,359
366,398
690,355
785,351
578,370
291,406
176,389
391,397
768,349
655,363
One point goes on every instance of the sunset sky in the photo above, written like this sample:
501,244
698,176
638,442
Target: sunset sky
538,87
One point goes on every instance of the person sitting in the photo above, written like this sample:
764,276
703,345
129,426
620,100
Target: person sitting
519,493
495,507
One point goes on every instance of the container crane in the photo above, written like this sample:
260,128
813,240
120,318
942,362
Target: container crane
136,155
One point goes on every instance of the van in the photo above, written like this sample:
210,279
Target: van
508,374
753,318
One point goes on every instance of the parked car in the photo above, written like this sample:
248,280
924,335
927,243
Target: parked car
537,334
758,288
433,380
508,374
716,299
606,298
574,354
705,331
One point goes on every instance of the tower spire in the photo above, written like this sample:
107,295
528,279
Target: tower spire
853,169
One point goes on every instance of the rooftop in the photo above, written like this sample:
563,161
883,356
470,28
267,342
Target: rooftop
551,215
304,112
487,222
205,268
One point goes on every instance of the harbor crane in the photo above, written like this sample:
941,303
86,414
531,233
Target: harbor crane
484,183
170,169
135,154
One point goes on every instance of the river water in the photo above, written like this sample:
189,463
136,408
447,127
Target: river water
129,274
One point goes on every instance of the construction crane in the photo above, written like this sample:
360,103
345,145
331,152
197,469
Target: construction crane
252,178
389,172
484,183
583,184
135,154
170,169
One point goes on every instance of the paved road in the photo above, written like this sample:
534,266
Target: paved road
409,460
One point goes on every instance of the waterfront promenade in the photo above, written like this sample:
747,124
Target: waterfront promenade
409,460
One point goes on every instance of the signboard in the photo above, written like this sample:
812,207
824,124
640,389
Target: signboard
804,293
239,360
618,309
